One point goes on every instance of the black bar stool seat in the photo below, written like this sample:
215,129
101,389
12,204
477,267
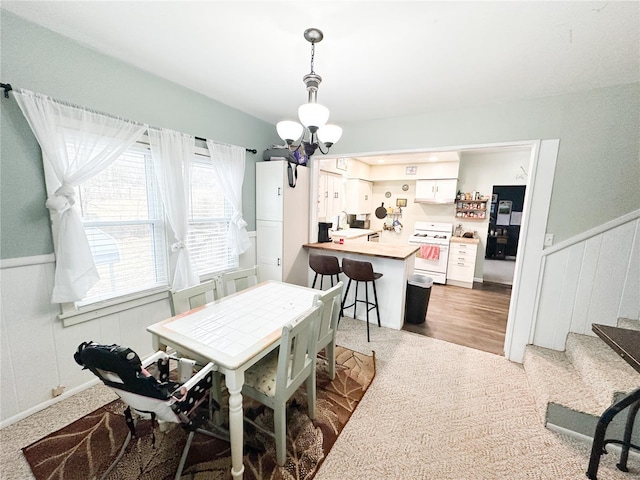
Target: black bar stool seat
361,272
324,265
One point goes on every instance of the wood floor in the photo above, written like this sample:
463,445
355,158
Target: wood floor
474,317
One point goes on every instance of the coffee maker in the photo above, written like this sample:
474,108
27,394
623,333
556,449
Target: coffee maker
323,232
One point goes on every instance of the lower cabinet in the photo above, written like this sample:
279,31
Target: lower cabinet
462,264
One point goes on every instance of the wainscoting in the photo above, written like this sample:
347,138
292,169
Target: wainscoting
594,278
36,353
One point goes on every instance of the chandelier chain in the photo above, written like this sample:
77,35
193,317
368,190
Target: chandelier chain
313,52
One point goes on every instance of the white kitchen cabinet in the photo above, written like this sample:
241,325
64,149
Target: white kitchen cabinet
282,223
436,191
358,196
330,195
462,264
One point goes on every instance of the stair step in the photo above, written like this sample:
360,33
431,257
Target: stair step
554,380
600,368
629,323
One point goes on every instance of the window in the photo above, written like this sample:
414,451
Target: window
209,219
123,219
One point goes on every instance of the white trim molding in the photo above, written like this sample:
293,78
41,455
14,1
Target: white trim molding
27,261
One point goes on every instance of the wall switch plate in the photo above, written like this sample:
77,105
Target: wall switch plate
548,239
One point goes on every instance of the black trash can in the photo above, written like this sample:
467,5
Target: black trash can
418,293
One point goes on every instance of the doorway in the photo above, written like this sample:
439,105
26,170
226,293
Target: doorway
521,312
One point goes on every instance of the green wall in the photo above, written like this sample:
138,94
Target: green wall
596,179
597,174
37,59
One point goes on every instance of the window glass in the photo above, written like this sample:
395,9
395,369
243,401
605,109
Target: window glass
124,223
209,218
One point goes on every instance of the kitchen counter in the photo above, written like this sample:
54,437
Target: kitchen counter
395,262
374,249
351,232
472,241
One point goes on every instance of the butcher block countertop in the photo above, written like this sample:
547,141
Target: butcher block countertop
473,241
373,249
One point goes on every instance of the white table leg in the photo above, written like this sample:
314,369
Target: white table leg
234,380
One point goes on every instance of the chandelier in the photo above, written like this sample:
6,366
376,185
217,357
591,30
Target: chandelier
313,116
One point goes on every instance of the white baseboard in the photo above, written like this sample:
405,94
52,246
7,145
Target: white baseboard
589,440
71,392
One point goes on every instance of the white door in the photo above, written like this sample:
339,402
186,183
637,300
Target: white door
269,249
269,190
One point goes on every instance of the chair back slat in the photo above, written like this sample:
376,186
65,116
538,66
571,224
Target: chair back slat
297,349
196,296
331,299
238,280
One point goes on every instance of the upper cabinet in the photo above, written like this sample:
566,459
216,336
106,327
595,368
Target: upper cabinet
436,191
330,195
358,196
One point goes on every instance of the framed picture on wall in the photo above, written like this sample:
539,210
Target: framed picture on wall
504,207
401,202
504,212
341,163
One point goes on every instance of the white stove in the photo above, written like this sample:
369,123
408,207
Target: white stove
432,258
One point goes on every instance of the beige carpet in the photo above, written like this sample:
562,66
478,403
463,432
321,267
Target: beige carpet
435,411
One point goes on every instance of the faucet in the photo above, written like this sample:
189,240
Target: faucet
345,217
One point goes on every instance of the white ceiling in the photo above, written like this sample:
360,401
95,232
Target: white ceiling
377,59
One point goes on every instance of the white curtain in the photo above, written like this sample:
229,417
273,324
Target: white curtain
228,166
76,145
172,154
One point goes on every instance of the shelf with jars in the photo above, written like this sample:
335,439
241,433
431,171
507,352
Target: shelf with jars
471,209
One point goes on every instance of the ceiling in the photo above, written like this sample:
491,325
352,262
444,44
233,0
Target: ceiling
377,59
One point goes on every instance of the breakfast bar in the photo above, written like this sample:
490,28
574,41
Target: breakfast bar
395,262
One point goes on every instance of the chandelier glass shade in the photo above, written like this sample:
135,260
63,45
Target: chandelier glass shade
312,115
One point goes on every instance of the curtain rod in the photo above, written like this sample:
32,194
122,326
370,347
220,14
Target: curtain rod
250,150
7,88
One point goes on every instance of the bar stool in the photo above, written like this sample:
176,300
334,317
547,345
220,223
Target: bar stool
324,265
361,272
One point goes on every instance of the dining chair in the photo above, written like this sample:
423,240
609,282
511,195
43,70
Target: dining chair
196,296
331,300
193,297
145,387
237,280
274,379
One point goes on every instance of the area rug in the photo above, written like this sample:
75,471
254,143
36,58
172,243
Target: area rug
85,448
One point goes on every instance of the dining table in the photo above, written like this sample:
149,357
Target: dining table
234,333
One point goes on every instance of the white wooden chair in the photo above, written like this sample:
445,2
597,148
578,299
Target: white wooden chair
196,296
238,280
332,300
193,297
274,379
